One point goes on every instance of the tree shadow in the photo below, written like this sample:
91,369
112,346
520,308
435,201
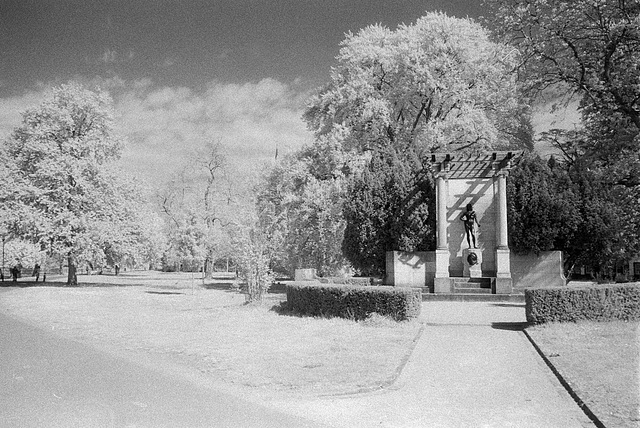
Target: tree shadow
163,292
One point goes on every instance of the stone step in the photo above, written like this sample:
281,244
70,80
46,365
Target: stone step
473,283
472,290
472,297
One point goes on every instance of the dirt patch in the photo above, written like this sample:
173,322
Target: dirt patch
212,331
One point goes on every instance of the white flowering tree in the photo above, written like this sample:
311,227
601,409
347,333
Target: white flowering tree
66,193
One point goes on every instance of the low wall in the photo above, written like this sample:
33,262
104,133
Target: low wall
415,269
527,270
531,270
305,275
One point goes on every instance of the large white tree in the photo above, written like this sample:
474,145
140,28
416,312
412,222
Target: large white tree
66,192
439,84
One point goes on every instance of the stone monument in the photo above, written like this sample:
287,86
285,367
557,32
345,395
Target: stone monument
471,190
472,243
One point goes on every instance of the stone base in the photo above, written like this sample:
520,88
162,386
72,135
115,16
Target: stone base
472,270
443,285
503,263
502,286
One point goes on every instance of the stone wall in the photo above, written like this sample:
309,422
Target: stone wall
410,269
531,270
481,194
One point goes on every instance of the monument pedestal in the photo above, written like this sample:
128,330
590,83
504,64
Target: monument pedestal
472,259
503,283
441,281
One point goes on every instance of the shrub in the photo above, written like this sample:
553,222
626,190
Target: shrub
590,302
351,302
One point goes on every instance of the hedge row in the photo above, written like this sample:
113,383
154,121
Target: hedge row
351,302
589,302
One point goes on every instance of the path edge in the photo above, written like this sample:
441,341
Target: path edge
583,406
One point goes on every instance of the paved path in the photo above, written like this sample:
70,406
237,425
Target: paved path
49,382
470,368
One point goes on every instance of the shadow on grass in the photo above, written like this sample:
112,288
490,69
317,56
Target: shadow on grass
510,326
163,292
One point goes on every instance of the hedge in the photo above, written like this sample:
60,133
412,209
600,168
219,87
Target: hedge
589,302
399,303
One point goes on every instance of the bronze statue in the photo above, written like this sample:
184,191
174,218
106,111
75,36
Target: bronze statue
470,220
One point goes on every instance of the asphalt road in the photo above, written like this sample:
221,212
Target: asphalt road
47,381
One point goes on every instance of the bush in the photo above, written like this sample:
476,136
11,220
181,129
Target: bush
590,302
352,302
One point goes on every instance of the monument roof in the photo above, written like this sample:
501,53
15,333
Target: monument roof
465,165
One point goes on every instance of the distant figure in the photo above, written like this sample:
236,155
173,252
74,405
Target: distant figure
36,271
470,220
15,272
117,267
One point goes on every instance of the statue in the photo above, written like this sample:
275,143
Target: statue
470,220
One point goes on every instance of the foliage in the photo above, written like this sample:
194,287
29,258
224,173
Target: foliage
23,253
593,302
437,85
575,208
590,46
198,203
65,192
543,210
609,232
357,303
389,206
300,205
253,253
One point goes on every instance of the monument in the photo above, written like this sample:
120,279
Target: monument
471,226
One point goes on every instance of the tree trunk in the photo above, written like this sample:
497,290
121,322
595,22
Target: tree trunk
208,266
72,277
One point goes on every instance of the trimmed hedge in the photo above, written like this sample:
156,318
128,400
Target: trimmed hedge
589,302
399,303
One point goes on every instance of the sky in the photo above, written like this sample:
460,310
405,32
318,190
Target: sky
181,73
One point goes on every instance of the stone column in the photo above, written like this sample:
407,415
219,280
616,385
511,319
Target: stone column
503,239
441,216
441,282
503,283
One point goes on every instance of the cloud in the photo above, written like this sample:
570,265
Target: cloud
109,56
11,109
165,125
250,120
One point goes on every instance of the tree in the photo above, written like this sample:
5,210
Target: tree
437,85
543,210
389,206
591,47
300,207
66,194
197,202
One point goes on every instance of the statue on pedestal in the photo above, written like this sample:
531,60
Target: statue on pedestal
470,220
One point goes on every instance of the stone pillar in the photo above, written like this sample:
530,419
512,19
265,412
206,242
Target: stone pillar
441,281
441,211
503,239
503,283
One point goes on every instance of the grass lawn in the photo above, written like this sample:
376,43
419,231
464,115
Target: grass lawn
209,329
601,362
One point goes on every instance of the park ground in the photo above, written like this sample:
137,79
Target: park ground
206,333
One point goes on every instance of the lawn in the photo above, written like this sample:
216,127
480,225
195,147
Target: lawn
209,329
601,362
